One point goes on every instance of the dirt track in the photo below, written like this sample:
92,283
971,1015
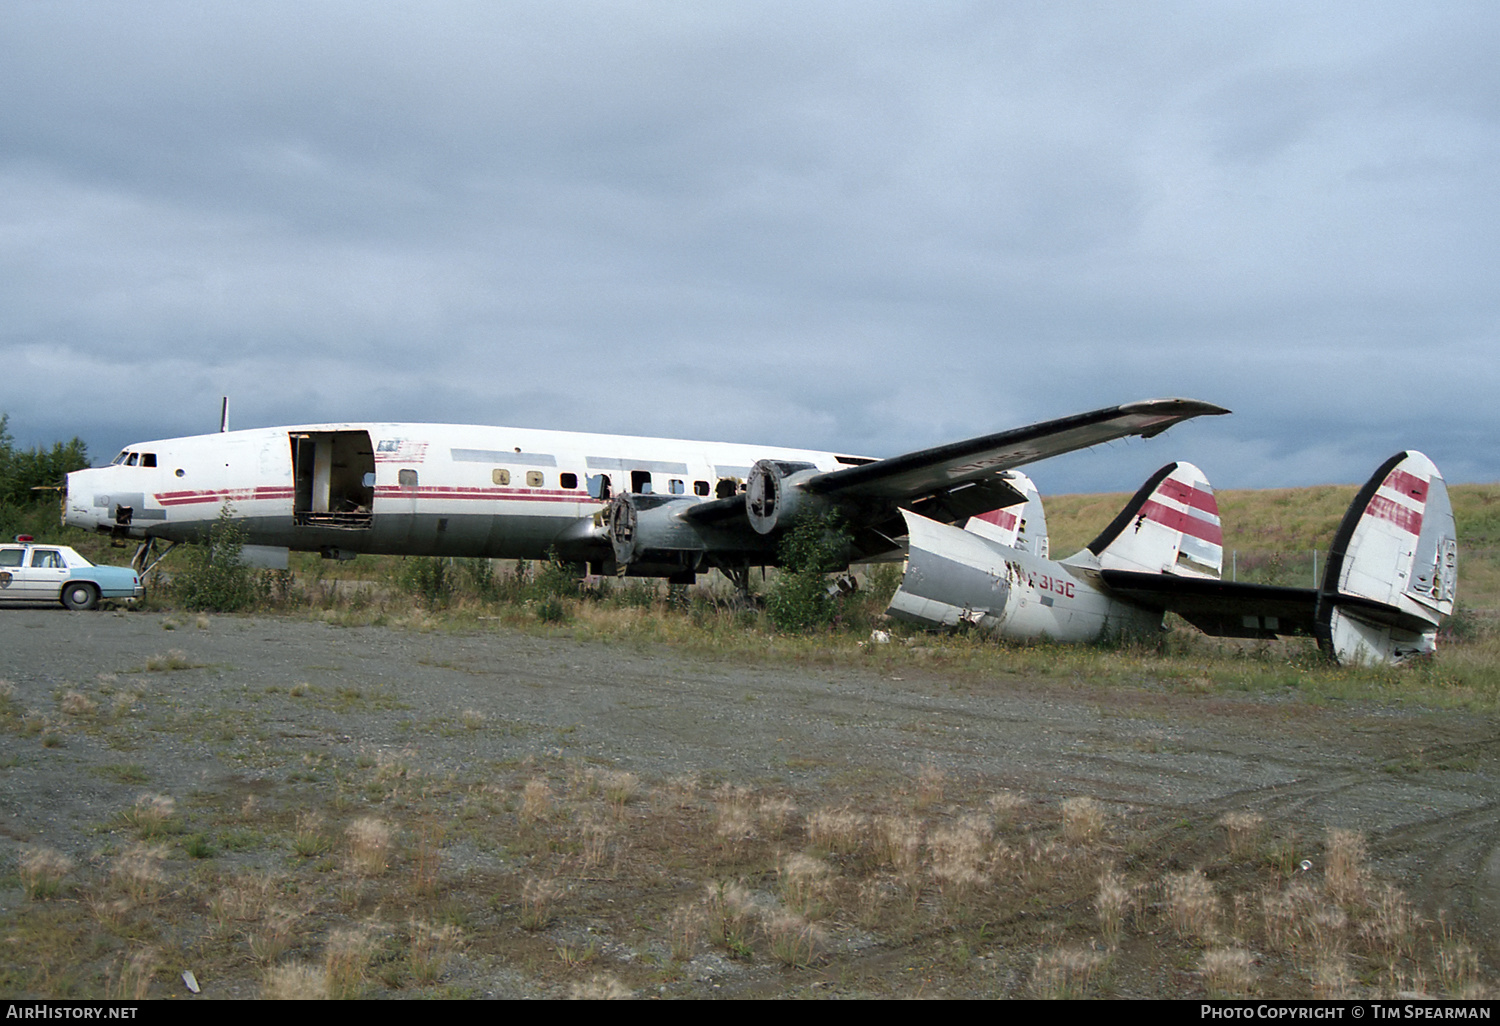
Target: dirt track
1421,785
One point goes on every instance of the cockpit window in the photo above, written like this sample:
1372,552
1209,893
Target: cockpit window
148,459
119,459
132,460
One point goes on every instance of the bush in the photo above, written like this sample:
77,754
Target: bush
214,577
814,546
429,578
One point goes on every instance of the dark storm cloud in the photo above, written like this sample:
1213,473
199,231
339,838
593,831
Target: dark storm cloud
865,228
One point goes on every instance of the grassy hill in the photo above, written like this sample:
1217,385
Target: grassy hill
1270,534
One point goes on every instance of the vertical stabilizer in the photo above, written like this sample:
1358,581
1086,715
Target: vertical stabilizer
1019,526
1170,526
1393,569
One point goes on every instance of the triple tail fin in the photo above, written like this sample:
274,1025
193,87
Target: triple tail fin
1392,571
1170,526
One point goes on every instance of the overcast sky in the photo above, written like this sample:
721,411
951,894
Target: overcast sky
869,227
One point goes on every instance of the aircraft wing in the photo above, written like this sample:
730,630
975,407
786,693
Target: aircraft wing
1224,609
943,468
946,483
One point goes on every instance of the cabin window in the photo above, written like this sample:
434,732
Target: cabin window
148,459
726,488
406,478
567,480
599,486
640,481
500,477
700,487
534,479
676,487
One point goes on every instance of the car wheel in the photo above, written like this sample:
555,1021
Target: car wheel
78,595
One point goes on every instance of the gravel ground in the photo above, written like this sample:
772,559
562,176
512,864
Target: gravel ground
1420,784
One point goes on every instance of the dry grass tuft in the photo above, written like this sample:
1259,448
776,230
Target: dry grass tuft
958,854
345,957
837,830
43,871
175,659
806,884
1192,905
600,987
794,941
537,896
137,872
730,912
536,801
1005,806
1227,972
76,703
294,982
274,938
130,979
1393,922
684,928
733,815
898,842
369,846
1114,901
431,948
619,789
152,815
1345,874
929,786
309,841
1243,828
1083,820
1065,973
775,815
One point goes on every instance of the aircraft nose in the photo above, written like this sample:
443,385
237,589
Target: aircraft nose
77,510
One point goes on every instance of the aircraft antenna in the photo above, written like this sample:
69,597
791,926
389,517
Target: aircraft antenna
224,415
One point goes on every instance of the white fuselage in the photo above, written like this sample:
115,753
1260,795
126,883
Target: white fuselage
424,489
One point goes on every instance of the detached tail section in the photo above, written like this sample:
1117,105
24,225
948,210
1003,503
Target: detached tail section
1392,571
1170,526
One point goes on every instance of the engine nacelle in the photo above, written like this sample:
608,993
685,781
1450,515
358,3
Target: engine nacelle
773,497
645,528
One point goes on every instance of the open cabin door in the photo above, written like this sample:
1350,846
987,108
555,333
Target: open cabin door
333,474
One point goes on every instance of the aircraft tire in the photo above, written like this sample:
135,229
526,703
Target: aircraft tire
79,595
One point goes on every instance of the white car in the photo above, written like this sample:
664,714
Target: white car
31,572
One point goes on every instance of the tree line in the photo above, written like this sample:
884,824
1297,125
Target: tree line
24,471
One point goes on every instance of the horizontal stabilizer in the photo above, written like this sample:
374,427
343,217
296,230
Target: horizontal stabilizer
1224,609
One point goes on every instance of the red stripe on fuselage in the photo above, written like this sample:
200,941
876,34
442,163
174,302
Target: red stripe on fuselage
1177,520
222,495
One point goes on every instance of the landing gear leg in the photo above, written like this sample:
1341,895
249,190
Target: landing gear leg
143,561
